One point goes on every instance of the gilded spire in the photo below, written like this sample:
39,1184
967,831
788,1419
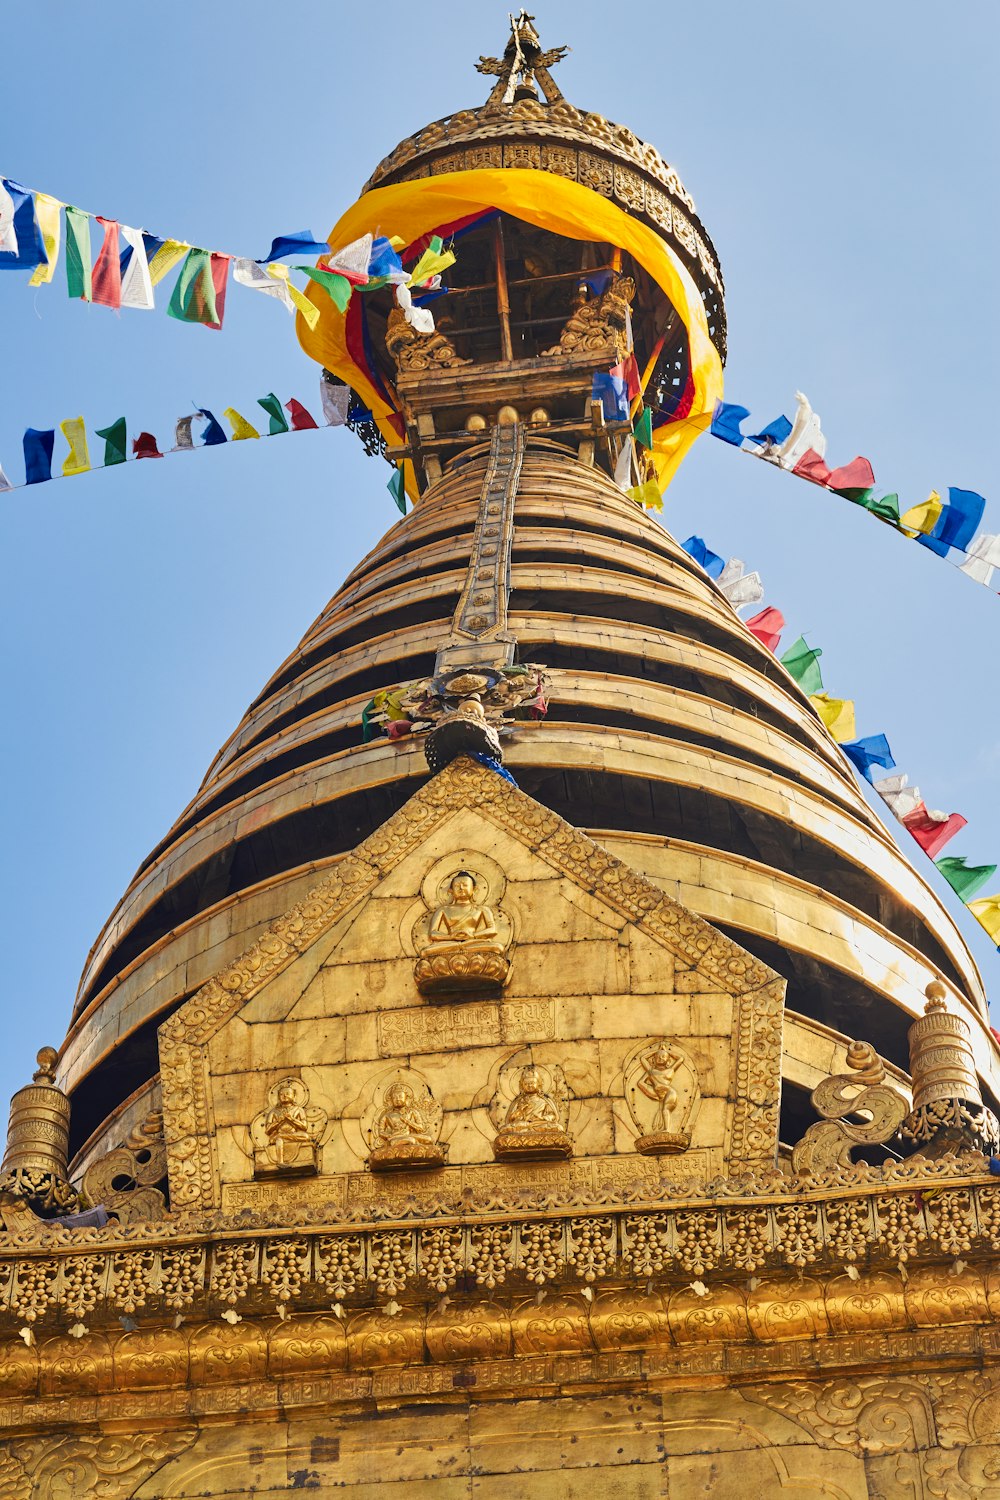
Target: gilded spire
522,65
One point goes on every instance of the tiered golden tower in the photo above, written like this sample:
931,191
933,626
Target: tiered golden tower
501,1069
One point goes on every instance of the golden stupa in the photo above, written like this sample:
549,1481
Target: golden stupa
527,1054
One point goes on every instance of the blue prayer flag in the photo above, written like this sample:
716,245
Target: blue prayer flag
38,454
30,245
151,243
214,432
598,282
610,391
710,561
775,432
873,751
726,421
957,523
431,295
383,259
302,242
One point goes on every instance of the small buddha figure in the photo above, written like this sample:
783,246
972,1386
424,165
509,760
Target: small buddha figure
532,1129
404,1134
285,1135
286,1126
462,944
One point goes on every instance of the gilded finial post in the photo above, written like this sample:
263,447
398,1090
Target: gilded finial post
35,1161
948,1114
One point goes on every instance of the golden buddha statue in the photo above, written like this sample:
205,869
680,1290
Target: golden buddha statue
462,944
404,1133
534,1128
286,1134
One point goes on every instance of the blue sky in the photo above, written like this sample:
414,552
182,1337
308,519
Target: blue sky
843,159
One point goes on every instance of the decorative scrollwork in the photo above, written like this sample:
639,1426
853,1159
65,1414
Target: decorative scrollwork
859,1109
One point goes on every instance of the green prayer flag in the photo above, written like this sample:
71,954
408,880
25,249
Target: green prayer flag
395,488
115,442
193,299
858,497
802,662
78,265
643,428
367,728
272,406
337,287
965,880
887,509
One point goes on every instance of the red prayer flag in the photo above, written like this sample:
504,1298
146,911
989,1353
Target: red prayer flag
144,446
220,278
811,466
932,833
857,475
301,420
627,370
107,274
767,627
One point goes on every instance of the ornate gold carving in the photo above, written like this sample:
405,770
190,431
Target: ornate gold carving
405,1127
661,1090
862,1092
462,943
286,1134
415,353
598,323
948,1113
34,1163
534,1122
108,1465
124,1181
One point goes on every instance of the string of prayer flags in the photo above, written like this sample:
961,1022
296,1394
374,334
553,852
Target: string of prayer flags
767,627
873,750
396,490
78,269
114,442
965,880
726,419
932,830
77,460
276,419
38,446
801,661
986,911
239,425
957,523
712,563
837,714
301,242
144,446
301,419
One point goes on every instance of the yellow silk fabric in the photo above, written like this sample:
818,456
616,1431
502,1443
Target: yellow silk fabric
77,461
47,212
411,209
240,426
987,913
837,714
922,519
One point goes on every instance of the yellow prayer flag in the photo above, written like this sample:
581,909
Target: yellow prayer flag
77,460
47,212
922,519
429,264
647,495
397,242
987,913
837,714
308,309
241,427
169,253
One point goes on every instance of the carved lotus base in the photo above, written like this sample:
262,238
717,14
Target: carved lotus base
663,1143
465,971
544,1143
408,1156
298,1160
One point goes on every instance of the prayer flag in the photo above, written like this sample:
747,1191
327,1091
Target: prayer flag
302,242
802,662
240,426
643,428
308,309
965,880
710,561
740,588
114,442
213,433
922,519
199,294
982,555
623,465
337,287
277,421
385,261
837,714
987,913
163,255
5,483
258,279
106,280
352,260
137,284
932,830
647,495
21,245
767,627
898,795
853,480
774,434
871,751
396,490
183,441
144,446
812,466
38,447
434,260
806,433
419,318
336,398
885,509
77,460
48,212
726,421
609,390
957,523
629,371
78,253
301,420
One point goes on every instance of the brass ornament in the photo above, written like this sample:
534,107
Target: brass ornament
416,353
841,1097
462,943
598,325
662,1093
403,1126
285,1136
535,1117
35,1161
124,1181
948,1113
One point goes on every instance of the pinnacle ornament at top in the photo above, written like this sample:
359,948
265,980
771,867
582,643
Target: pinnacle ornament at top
522,66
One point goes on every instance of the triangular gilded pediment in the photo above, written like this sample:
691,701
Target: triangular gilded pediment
583,969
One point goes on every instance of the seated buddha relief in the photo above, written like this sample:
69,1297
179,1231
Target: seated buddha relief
463,942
